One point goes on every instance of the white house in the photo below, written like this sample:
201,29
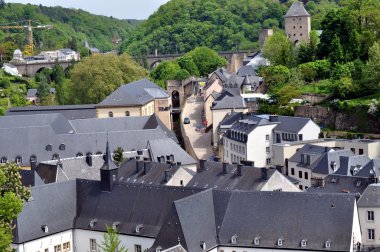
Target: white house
10,69
369,214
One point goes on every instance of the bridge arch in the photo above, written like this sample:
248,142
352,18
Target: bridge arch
39,70
154,64
176,101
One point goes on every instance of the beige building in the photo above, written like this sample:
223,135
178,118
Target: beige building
297,23
139,98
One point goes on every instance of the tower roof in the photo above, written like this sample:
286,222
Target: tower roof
108,163
297,10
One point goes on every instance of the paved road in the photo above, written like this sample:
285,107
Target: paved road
200,142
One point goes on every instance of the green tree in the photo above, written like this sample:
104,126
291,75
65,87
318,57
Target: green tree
58,76
336,54
343,88
279,49
111,242
12,195
206,60
372,69
276,75
43,90
187,63
118,156
97,76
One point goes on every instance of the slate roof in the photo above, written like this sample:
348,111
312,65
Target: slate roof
370,197
71,112
33,92
297,10
291,123
246,70
215,216
371,169
136,172
334,183
166,146
351,165
53,205
30,178
32,134
228,100
212,177
134,94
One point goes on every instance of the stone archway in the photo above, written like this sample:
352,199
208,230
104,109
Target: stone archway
176,102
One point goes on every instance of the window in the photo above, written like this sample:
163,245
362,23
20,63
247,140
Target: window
328,244
18,160
300,174
353,150
279,242
371,234
301,187
294,27
370,215
268,161
33,158
93,246
256,241
110,114
55,156
46,250
301,34
303,243
306,175
361,151
3,160
267,137
301,26
66,246
137,248
49,147
243,150
57,248
292,171
62,147
267,149
127,113
300,137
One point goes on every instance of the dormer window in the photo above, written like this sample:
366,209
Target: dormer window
328,244
256,241
55,156
115,225
49,147
280,242
18,160
62,147
138,228
79,154
110,114
158,249
3,160
45,228
303,243
234,239
127,113
93,222
203,245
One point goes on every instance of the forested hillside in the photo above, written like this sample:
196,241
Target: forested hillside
182,25
71,27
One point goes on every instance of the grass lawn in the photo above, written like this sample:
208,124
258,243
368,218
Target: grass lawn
365,100
320,87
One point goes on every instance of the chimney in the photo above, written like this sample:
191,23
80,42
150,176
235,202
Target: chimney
162,159
33,165
147,166
224,168
264,173
201,165
239,172
168,175
273,118
248,163
139,165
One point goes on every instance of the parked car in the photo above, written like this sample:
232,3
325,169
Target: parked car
186,120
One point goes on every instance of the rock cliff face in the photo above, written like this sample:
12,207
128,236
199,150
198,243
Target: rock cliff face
356,119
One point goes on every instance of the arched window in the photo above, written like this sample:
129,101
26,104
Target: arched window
110,114
18,160
127,113
49,147
62,147
55,156
79,154
3,160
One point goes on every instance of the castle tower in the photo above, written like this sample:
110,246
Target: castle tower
298,23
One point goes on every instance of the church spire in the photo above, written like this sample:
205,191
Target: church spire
108,163
109,171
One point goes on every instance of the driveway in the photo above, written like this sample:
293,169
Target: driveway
200,142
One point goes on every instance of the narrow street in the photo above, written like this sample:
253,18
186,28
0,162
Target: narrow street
200,142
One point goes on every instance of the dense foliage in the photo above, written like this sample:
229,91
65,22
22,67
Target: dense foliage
12,195
199,62
182,25
99,75
71,27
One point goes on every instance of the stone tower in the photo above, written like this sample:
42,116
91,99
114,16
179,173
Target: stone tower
298,23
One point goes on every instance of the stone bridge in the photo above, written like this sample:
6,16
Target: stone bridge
29,69
234,59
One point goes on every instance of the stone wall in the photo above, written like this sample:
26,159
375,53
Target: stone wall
356,119
314,98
